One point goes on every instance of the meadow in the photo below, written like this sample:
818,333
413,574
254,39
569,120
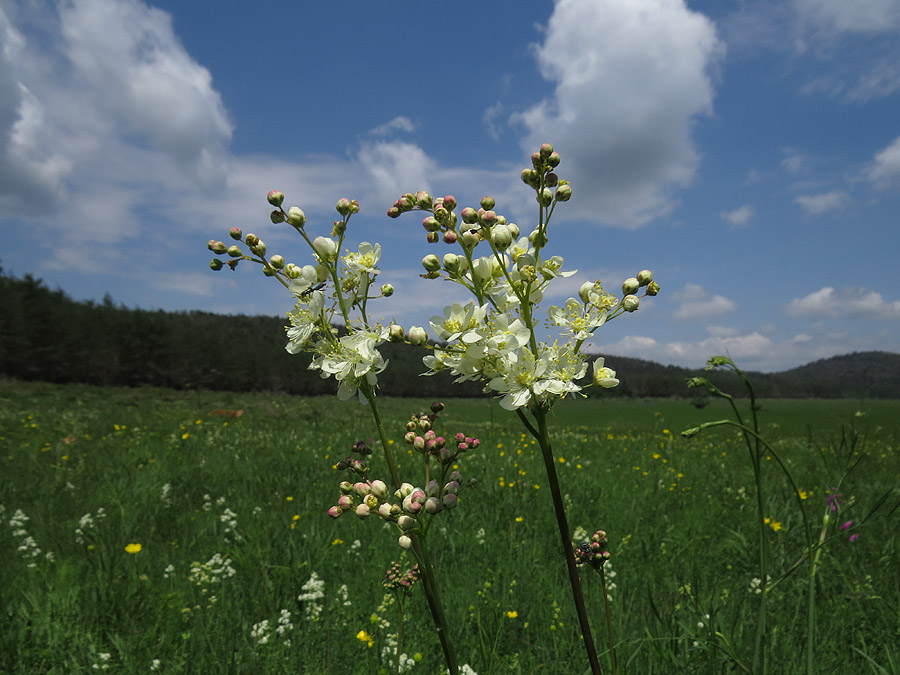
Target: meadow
149,530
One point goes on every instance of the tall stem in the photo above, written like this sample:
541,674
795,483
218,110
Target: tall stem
543,438
609,629
418,545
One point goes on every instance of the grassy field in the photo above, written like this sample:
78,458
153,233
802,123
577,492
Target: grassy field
230,516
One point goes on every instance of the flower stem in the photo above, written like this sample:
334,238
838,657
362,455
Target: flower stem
543,438
609,629
421,552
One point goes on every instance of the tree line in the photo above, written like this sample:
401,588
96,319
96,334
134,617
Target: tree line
45,335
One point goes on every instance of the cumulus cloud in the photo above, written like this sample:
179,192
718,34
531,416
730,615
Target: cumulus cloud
822,203
630,79
749,347
885,168
859,302
399,123
739,216
698,303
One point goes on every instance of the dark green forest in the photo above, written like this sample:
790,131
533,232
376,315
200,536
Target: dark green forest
47,336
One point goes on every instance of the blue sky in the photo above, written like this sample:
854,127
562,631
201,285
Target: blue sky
748,152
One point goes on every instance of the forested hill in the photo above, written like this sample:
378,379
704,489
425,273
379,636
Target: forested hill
45,335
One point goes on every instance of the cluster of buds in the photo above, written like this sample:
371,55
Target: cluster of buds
408,505
398,579
593,552
442,221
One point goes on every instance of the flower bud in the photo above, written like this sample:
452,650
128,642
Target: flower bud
449,500
394,212
432,505
384,510
451,488
277,262
325,248
343,206
630,303
234,251
538,239
335,512
362,489
470,239
513,230
451,263
396,333
387,290
630,286
417,336
345,501
296,217
403,491
406,522
405,542
431,224
259,248
545,197
564,193
432,489
488,203
546,150
501,237
217,247
362,511
277,216
235,233
585,291
346,486
275,197
644,277
371,501
551,180
450,237
215,264
251,239
531,178
652,289
553,159
431,263
423,199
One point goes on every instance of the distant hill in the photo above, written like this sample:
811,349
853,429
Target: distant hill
45,335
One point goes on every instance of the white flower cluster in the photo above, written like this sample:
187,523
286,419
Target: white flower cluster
313,591
27,547
213,571
389,654
104,658
262,632
87,523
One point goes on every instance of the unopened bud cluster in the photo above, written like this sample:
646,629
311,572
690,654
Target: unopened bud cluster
408,504
593,552
396,578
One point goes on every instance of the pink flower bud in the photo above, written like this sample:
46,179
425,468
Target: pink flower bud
235,233
564,193
362,511
384,510
423,199
335,512
449,500
275,197
450,202
450,237
393,212
345,501
343,206
362,489
546,150
431,224
378,488
487,203
460,437
846,525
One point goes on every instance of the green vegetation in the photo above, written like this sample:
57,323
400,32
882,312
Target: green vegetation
88,471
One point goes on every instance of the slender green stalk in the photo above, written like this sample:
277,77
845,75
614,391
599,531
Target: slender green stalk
609,628
543,438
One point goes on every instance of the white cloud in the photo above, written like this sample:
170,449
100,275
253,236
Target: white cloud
858,302
399,123
739,216
630,78
749,347
698,303
885,167
839,16
822,203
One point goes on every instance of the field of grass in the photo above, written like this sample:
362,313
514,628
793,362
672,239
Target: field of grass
230,516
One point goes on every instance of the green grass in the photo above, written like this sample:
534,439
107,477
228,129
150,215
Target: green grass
679,514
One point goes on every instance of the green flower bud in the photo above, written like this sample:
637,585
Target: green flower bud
514,230
564,193
431,224
277,262
644,277
652,288
431,263
292,271
215,264
538,239
488,203
501,237
630,303
275,197
296,217
545,197
546,150
277,216
531,178
259,248
451,263
234,251
553,159
343,206
217,247
251,239
470,239
235,233
630,286
423,199
469,215
396,333
387,290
